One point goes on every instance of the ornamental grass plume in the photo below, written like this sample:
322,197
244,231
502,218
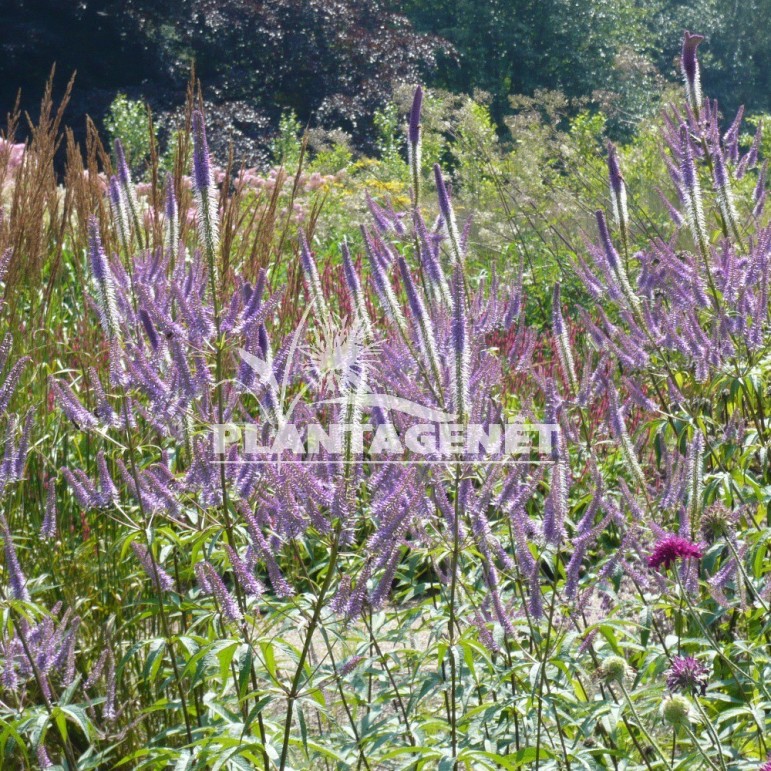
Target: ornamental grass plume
670,549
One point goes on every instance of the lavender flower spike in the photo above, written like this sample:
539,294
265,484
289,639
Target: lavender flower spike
690,66
129,203
354,289
48,528
460,348
618,193
423,324
312,280
205,193
414,145
448,215
161,579
100,267
614,261
16,578
172,217
563,342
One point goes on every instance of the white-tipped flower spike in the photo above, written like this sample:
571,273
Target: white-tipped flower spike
724,193
312,280
563,342
105,286
354,289
689,63
618,193
460,348
171,224
614,261
128,194
691,189
382,283
120,215
423,324
414,144
621,435
695,477
448,216
205,192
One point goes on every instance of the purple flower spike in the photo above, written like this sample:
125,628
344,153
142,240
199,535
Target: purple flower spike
161,579
202,178
448,215
417,105
124,175
690,66
687,675
16,579
670,549
48,528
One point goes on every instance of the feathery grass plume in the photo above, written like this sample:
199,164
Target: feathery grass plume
461,353
312,280
414,144
448,217
105,283
424,327
205,195
563,342
689,64
618,196
354,289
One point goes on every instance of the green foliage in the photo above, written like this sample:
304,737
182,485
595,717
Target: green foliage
127,120
287,145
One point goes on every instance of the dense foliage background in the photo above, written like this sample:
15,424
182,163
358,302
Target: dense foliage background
333,63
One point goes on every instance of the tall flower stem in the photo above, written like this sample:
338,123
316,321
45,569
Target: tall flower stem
737,670
451,630
161,605
294,690
642,727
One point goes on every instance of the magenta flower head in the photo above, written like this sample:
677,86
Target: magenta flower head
687,675
670,549
690,67
767,765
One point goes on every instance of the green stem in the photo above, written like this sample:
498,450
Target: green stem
294,690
